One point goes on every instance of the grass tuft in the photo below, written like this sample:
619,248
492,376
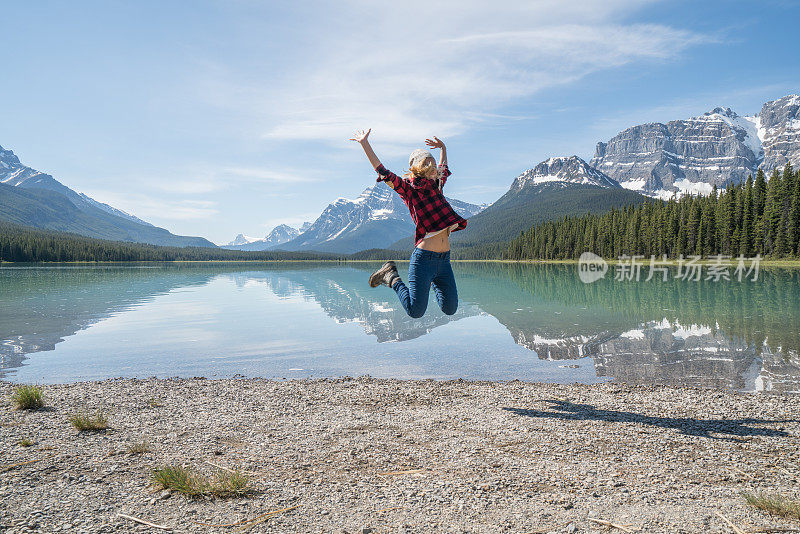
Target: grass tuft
180,479
85,422
774,504
25,442
28,398
193,484
231,483
140,447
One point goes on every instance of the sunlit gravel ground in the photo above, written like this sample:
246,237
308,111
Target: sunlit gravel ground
369,455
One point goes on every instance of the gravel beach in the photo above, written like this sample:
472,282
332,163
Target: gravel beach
362,455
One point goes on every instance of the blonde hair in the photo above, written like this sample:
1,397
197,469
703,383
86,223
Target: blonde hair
424,169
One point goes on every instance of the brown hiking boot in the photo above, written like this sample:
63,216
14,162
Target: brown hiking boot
386,275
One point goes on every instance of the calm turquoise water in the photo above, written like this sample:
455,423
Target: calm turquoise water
529,322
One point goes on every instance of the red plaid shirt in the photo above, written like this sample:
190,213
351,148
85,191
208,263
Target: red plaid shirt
430,211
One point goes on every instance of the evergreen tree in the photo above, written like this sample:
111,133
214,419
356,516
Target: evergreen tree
794,217
773,207
746,218
759,201
747,243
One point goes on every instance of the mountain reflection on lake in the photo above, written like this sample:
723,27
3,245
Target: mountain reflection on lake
293,320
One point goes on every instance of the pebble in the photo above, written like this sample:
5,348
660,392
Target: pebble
413,456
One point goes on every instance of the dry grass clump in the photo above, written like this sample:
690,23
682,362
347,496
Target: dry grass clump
229,484
774,504
140,447
85,422
28,398
232,483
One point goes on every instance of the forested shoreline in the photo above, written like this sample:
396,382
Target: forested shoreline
25,244
757,216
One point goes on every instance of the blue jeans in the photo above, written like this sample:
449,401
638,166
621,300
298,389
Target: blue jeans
428,268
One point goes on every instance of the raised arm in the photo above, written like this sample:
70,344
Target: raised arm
362,138
385,175
438,143
444,171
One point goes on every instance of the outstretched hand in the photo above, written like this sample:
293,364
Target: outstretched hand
434,143
361,136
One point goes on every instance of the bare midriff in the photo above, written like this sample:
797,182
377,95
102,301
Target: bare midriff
438,243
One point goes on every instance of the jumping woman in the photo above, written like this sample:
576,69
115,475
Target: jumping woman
421,190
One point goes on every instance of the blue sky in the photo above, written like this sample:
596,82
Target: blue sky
214,118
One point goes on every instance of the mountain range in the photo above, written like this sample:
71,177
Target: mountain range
277,236
554,188
693,155
33,198
376,219
687,156
656,160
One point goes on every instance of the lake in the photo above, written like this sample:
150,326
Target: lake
66,323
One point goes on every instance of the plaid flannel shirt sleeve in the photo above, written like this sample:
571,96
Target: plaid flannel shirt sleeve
394,181
444,172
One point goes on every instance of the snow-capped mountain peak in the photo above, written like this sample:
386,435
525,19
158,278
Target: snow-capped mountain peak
96,219
344,215
693,155
14,173
281,234
277,236
242,239
571,169
779,130
377,217
746,128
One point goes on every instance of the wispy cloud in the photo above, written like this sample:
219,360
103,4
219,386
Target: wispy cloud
187,193
150,207
411,68
204,179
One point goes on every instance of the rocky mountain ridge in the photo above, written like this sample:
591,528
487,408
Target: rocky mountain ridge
569,170
694,155
32,198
